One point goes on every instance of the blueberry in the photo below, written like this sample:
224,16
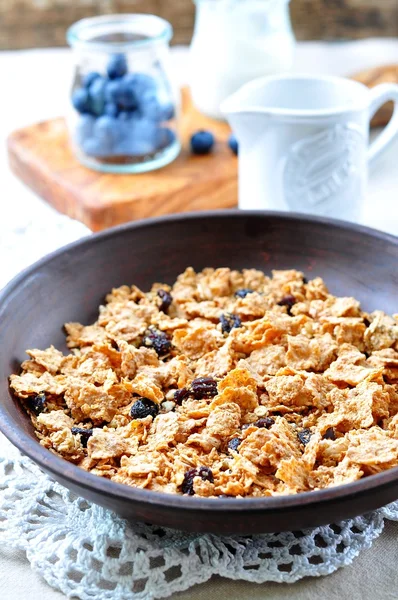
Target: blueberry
84,128
168,111
233,143
243,292
117,66
111,109
125,115
89,78
93,147
143,407
107,131
164,137
37,403
97,95
304,436
125,96
81,100
229,321
202,142
85,434
111,91
234,444
141,83
150,106
156,339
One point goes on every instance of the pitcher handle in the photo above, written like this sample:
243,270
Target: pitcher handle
381,94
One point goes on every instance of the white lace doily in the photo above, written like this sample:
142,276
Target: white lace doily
89,552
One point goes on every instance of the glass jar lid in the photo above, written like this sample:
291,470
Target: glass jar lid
119,33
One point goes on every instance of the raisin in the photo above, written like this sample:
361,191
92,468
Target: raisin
85,434
204,473
203,387
329,434
37,403
288,301
166,299
158,340
234,443
229,321
242,293
305,280
265,422
143,407
187,484
304,436
180,395
366,322
115,346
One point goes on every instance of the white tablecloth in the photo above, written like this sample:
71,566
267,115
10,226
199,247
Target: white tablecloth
35,87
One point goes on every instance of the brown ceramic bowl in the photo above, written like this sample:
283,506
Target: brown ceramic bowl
69,284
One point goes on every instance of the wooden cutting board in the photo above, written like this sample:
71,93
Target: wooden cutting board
40,155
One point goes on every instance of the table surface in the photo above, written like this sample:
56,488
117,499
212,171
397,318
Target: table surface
37,89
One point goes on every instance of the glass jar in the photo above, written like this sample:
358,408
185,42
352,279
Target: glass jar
234,42
124,107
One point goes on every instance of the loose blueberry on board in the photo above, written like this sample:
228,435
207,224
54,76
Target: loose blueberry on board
89,78
143,407
233,144
96,93
202,142
117,66
111,109
84,127
81,100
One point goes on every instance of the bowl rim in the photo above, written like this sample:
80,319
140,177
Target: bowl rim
83,479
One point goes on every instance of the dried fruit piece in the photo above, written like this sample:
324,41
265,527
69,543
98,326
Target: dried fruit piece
266,422
204,473
158,340
243,292
143,407
180,395
85,434
288,301
166,299
229,321
304,436
37,403
203,387
234,444
329,434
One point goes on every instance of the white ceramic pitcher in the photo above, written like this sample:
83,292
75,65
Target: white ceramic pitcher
304,142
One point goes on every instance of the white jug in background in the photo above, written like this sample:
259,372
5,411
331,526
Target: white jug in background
304,142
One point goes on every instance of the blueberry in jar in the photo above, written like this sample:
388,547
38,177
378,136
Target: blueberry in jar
96,93
164,137
107,132
229,321
117,66
84,128
233,144
143,407
202,142
89,78
111,109
85,434
81,100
